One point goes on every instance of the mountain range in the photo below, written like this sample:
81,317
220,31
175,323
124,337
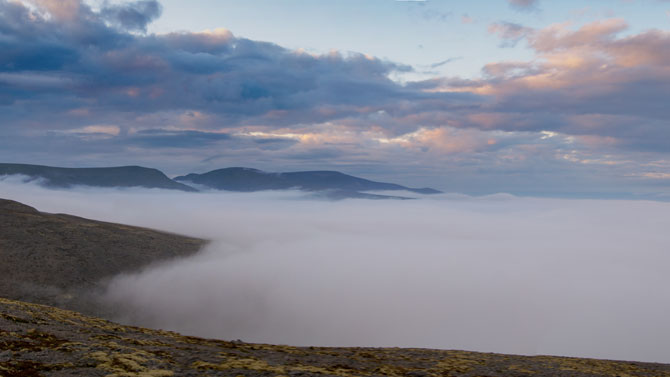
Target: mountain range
336,184
121,176
329,184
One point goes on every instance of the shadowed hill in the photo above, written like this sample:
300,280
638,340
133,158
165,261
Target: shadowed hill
321,184
247,180
55,259
38,340
122,176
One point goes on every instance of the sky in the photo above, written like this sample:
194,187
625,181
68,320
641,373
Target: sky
530,97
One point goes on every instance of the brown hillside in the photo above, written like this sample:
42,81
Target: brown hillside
38,340
57,259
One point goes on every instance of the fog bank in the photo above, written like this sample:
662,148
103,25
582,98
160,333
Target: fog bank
502,274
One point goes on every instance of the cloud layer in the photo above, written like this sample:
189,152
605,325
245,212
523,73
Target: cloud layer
87,86
500,273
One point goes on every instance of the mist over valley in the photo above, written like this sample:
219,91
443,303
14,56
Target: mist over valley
380,188
496,274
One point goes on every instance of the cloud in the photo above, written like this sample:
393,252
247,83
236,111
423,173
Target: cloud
108,130
523,5
584,81
35,81
160,138
509,32
446,61
444,140
132,16
238,79
560,37
495,274
181,99
61,9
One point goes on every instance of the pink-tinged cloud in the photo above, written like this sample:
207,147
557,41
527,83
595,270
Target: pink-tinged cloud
561,37
443,140
208,41
588,80
66,10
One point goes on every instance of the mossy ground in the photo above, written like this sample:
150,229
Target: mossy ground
38,340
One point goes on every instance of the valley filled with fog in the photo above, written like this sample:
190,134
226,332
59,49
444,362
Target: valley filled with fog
498,273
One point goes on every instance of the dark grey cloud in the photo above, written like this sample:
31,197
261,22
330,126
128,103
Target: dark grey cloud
132,16
317,154
275,143
158,138
236,78
54,66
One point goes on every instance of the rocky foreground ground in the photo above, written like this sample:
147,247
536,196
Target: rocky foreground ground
37,340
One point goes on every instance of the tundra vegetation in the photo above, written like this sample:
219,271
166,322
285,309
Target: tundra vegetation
38,340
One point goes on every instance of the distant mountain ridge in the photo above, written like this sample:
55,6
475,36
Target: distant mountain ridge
122,176
320,183
248,180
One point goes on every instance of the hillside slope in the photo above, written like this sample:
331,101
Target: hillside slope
38,340
55,259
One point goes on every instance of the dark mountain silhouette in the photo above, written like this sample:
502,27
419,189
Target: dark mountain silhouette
321,184
122,176
247,180
58,259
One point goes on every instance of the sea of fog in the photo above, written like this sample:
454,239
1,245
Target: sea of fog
500,273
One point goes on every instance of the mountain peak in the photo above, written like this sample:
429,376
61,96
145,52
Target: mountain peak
118,176
248,179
